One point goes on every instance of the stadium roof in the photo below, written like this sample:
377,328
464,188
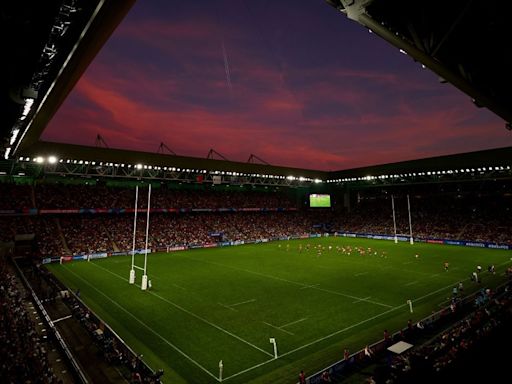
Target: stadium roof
51,45
109,155
48,46
464,42
490,158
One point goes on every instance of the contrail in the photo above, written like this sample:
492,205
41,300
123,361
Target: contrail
226,66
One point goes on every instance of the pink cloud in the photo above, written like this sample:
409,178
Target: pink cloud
328,117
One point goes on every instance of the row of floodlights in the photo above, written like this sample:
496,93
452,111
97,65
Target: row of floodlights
54,160
428,173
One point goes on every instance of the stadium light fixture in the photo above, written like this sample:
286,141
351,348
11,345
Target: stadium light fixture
138,166
14,136
52,159
39,160
26,108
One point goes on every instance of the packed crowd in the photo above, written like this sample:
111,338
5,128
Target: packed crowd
23,354
435,214
55,196
113,233
474,217
113,350
453,347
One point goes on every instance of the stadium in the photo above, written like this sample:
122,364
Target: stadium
129,266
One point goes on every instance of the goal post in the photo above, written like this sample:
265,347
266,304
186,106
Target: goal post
144,283
132,270
394,217
411,240
409,235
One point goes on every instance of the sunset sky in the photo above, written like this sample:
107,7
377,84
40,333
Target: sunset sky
294,82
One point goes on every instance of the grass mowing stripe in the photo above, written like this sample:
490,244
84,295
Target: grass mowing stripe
193,314
315,286
146,326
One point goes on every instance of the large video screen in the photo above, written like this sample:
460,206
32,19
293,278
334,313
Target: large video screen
319,200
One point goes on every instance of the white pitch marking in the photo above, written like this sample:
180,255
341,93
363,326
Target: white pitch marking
279,328
227,306
294,322
358,301
361,274
411,283
177,286
310,286
243,302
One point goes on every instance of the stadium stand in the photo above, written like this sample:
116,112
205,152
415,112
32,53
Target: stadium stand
481,215
81,219
184,217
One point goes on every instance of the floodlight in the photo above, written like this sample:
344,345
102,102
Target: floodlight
52,159
39,160
14,136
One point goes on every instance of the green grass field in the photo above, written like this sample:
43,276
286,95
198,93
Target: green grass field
224,304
